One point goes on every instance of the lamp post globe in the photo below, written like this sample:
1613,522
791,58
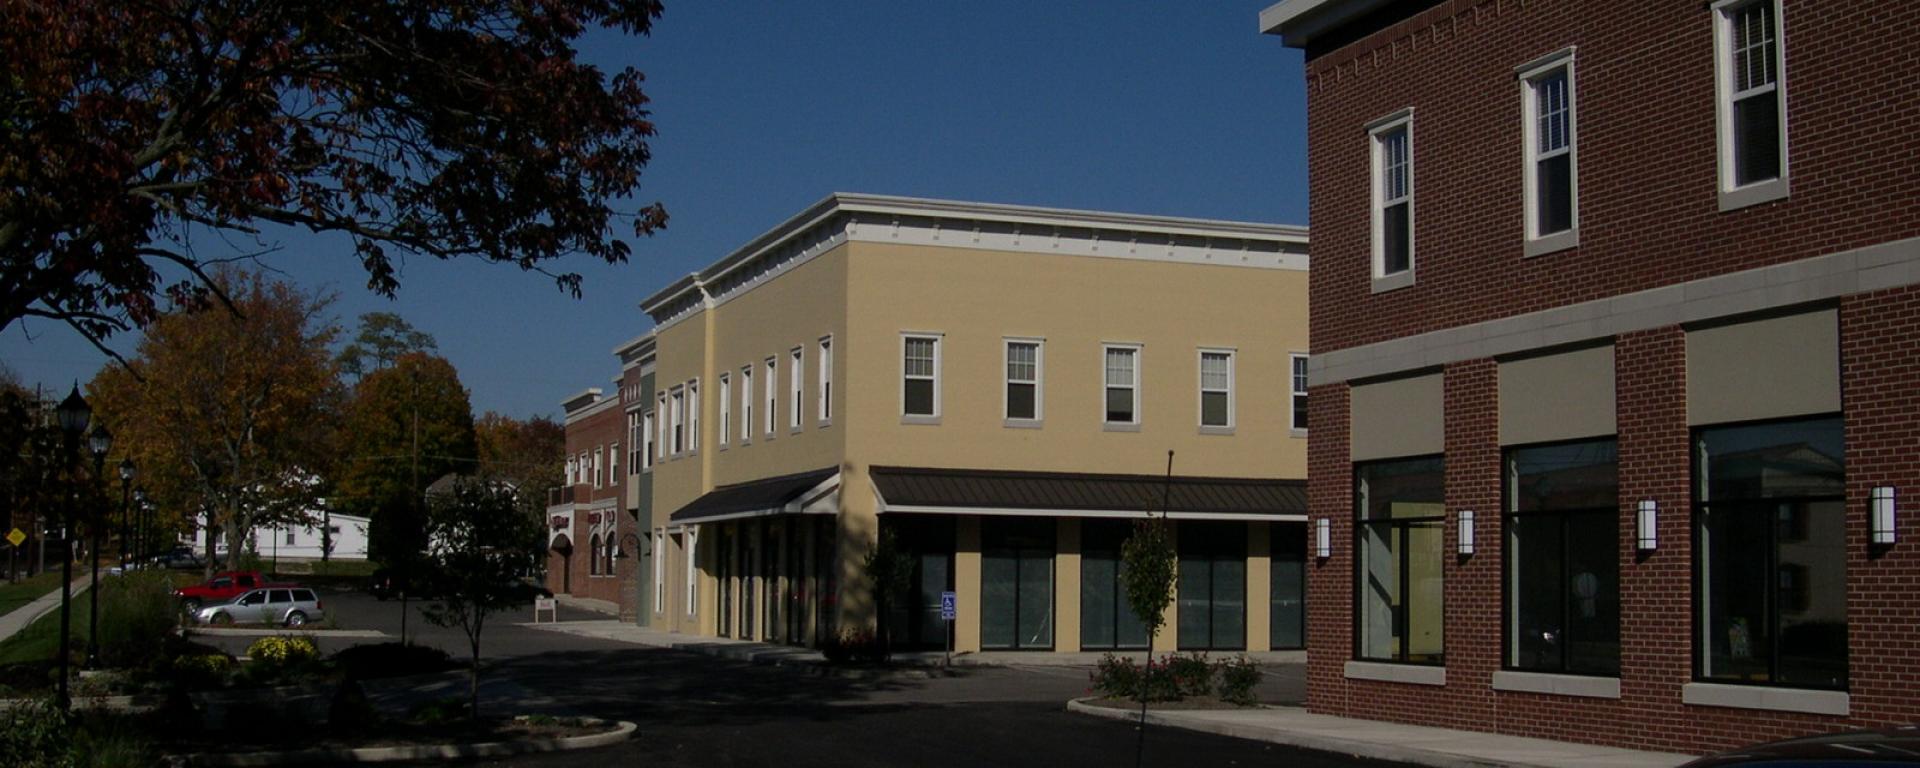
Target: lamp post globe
99,442
73,415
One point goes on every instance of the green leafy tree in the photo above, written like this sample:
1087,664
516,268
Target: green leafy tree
479,544
383,338
889,568
529,454
1147,579
455,129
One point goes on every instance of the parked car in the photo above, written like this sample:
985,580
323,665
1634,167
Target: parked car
289,605
223,587
383,584
178,557
1899,745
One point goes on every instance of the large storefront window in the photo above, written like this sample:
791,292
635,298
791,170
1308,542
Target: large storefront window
1105,619
1399,534
1563,557
915,622
1287,592
1016,583
1213,586
1771,556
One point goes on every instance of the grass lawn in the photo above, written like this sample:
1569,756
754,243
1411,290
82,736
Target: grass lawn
17,594
36,641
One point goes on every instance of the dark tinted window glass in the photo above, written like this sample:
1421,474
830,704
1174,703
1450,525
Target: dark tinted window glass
1399,489
919,397
1396,254
1756,138
1780,459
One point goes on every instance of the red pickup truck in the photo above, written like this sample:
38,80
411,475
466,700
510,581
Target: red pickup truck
221,588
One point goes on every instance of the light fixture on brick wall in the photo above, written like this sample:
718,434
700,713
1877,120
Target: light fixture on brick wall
1648,526
1323,538
1882,518
1466,532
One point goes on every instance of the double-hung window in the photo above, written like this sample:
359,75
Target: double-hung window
1122,380
1751,104
746,404
920,374
636,440
613,464
664,417
1391,140
1299,378
646,434
659,570
1770,553
796,388
726,409
1023,381
1400,533
599,465
692,539
693,416
825,367
678,444
1216,390
772,389
1549,135
1563,557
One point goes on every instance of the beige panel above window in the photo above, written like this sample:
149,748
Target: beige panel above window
1561,396
1400,417
1764,369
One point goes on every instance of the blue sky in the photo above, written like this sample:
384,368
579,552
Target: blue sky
1179,109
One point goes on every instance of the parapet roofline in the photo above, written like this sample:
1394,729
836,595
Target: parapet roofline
635,347
1298,22
581,399
853,202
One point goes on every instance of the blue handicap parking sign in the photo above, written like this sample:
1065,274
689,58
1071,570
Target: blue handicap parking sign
947,606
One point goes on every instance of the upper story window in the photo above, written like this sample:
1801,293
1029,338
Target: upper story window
746,404
1299,419
1548,133
772,391
826,380
633,442
1122,385
1023,380
586,469
678,442
920,372
693,415
1392,150
1216,389
646,434
796,387
1752,102
662,416
599,466
726,409
613,464
573,471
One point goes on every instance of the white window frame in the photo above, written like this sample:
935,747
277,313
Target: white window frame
1376,134
677,415
662,414
796,388
635,439
1139,355
1530,76
771,388
1200,390
659,571
746,404
692,539
726,409
825,372
920,418
573,471
647,433
599,465
586,467
613,464
1296,388
693,417
1732,196
1039,381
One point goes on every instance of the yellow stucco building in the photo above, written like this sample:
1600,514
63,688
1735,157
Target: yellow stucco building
999,386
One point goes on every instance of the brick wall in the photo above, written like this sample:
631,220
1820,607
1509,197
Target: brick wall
1647,181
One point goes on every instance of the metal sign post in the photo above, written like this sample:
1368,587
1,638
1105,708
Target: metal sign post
948,609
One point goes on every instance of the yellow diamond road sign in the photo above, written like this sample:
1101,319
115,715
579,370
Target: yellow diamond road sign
16,536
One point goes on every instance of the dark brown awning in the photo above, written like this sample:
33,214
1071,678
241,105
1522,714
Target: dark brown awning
786,494
977,491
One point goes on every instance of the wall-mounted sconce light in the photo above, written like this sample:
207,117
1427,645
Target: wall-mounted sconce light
1882,518
1648,526
1323,538
1466,531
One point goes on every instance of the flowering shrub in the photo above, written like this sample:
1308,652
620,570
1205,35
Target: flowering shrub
1235,679
281,651
1115,677
1190,675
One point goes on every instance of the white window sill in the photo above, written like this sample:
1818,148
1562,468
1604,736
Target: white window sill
1554,243
795,430
823,423
1393,282
1766,698
1298,433
1021,423
1206,430
1396,673
920,420
1120,427
1753,194
1561,685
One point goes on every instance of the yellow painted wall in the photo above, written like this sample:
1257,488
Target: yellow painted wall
1259,588
1066,585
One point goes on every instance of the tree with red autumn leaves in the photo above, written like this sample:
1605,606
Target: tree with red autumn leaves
131,131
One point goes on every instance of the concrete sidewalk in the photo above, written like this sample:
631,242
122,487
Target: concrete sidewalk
1420,745
12,623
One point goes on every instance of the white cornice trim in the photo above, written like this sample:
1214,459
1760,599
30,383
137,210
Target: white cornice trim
601,405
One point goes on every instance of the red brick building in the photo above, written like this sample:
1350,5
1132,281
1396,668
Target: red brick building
588,516
1616,365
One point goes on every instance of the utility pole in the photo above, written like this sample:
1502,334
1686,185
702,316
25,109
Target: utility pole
413,498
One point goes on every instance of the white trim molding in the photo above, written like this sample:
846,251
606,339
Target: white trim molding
1411,674
1584,686
1766,698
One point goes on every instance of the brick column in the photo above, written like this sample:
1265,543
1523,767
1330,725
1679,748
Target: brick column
1473,639
1330,579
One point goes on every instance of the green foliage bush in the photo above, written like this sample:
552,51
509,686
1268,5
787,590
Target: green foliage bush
439,711
1190,674
280,649
1175,677
37,734
1235,679
137,615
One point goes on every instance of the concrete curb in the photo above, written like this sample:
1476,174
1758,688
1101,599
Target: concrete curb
275,631
624,731
1351,747
806,661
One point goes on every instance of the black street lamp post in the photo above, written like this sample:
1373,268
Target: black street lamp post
140,530
73,415
126,512
98,443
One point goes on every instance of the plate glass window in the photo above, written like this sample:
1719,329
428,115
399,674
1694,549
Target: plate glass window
1105,619
1563,558
1550,151
1122,385
1016,582
1216,389
1400,534
1771,559
1212,588
920,396
1023,380
1393,199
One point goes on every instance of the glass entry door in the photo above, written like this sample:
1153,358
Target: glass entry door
1016,583
1213,586
915,621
